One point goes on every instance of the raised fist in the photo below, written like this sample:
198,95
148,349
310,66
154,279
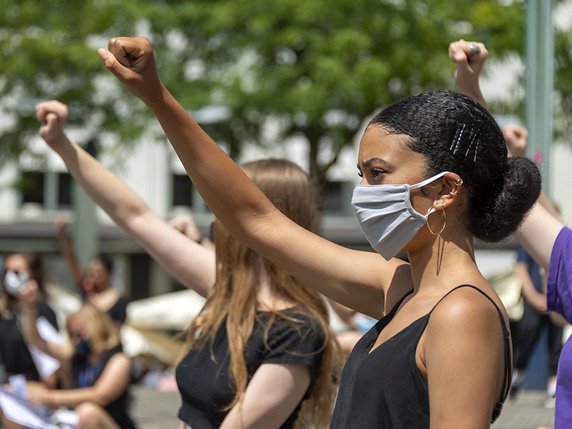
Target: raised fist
53,116
470,58
132,61
516,138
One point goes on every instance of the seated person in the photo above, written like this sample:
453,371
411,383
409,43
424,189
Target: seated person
97,372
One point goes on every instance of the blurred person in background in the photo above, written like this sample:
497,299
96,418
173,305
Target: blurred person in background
260,353
94,282
536,318
21,270
96,374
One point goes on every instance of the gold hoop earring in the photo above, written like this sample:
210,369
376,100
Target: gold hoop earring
444,216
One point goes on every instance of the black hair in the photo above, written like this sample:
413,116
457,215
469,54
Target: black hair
106,261
455,133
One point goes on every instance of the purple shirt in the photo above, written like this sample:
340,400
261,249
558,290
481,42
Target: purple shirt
560,299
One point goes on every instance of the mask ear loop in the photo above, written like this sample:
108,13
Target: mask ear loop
444,216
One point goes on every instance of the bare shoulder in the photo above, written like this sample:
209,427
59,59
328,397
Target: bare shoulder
119,360
466,310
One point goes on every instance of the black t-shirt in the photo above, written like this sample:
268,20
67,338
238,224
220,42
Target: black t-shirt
203,375
14,352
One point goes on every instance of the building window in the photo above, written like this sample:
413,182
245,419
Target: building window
64,190
182,190
331,197
31,186
139,286
50,190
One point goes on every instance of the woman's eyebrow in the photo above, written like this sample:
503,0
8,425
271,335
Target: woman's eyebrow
377,161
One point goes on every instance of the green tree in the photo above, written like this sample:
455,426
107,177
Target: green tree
312,68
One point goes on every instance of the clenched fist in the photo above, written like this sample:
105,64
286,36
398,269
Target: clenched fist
53,116
132,61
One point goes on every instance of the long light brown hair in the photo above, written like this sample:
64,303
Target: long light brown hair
233,298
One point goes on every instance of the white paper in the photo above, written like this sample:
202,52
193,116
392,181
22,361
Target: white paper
19,410
46,364
22,412
48,332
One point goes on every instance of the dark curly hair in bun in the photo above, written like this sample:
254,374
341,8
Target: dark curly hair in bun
455,133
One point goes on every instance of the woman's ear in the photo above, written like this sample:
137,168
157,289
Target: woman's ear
450,189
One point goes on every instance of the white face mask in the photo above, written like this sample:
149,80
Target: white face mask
13,282
386,215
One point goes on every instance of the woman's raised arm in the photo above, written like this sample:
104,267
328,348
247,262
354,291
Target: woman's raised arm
189,262
356,279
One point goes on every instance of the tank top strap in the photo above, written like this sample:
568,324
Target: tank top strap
507,353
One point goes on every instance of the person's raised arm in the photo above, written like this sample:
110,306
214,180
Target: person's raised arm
68,251
356,279
469,58
540,228
192,264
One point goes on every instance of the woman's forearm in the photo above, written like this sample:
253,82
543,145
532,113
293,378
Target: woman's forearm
73,397
203,158
117,199
538,233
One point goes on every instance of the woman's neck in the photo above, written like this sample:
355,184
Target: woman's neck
268,299
443,265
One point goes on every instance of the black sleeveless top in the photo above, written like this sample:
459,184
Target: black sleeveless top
86,375
384,389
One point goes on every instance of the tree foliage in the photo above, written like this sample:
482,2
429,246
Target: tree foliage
313,68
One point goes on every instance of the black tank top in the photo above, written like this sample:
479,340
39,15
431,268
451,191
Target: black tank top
384,389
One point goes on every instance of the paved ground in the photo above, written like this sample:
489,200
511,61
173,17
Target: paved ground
154,410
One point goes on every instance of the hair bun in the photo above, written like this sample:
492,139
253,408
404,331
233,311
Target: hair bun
517,191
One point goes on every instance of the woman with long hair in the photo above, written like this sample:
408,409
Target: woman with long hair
260,353
21,270
434,174
97,374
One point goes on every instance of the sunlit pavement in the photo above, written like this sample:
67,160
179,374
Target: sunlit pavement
158,410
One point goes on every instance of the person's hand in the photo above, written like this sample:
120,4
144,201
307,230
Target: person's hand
61,223
470,58
516,138
187,226
53,115
38,394
132,61
29,296
539,303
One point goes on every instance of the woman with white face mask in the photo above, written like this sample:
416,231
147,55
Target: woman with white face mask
20,272
435,174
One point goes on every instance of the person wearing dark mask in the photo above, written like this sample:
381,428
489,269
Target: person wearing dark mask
97,374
